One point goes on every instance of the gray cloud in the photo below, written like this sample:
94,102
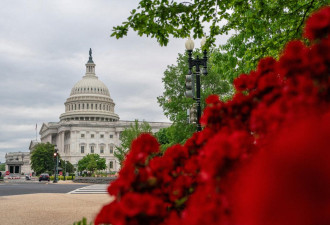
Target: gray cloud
43,50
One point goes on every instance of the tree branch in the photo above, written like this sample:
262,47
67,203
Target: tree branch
303,20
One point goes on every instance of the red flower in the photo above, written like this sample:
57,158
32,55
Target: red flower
131,205
288,183
111,214
242,83
266,65
276,121
212,99
318,24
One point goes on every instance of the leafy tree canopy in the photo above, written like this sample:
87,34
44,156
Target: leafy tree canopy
174,103
128,135
2,167
173,100
92,162
67,166
258,28
42,158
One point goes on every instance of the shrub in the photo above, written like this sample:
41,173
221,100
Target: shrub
262,157
62,177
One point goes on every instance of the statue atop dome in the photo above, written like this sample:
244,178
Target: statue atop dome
90,56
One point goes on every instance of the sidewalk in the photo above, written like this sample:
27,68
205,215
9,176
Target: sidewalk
35,180
50,209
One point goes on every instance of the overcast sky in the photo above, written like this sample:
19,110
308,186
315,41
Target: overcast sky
44,46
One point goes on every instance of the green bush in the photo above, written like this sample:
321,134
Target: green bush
62,177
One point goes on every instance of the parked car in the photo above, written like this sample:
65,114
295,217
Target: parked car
44,176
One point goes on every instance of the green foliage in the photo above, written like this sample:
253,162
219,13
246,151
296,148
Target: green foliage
62,177
177,133
92,162
42,160
127,136
82,222
2,167
174,102
67,166
258,28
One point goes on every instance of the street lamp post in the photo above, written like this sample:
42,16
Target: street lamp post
197,63
56,164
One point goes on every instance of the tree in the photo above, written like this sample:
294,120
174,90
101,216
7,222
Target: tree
2,167
91,162
67,166
258,28
174,102
42,158
127,136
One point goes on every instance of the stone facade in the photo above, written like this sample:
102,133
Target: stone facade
89,123
75,139
18,163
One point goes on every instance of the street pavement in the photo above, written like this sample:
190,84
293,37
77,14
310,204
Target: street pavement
34,188
51,208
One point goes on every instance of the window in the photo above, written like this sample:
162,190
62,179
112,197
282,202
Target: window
92,135
92,149
82,149
111,165
111,136
111,149
102,136
101,149
82,135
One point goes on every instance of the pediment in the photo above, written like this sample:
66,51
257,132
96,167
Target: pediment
43,128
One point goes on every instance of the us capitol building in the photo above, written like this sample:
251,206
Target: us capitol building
88,125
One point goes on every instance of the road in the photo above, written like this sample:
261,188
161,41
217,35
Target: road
7,189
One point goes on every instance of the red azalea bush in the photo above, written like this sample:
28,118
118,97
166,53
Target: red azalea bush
262,158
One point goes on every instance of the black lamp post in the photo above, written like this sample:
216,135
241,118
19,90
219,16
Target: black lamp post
56,164
190,85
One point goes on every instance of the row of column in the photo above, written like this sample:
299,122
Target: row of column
89,106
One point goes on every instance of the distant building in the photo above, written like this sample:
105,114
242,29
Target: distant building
18,163
89,123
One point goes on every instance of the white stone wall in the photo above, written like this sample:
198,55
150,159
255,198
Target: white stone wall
21,159
69,138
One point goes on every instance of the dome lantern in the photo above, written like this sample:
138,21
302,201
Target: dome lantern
90,66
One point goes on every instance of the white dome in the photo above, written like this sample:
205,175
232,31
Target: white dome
90,85
89,99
